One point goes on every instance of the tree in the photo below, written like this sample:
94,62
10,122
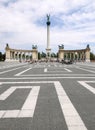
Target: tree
53,55
2,56
39,56
92,56
43,55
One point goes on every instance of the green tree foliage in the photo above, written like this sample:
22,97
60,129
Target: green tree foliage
53,55
43,55
2,56
92,56
39,56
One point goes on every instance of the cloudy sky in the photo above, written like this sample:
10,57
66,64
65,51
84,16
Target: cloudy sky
23,23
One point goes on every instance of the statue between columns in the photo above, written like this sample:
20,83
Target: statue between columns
61,46
34,46
88,46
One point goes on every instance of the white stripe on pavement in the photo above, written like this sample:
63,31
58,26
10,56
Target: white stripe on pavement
65,74
7,93
67,70
68,77
10,114
9,70
45,70
72,118
27,109
10,90
22,72
87,86
85,70
30,103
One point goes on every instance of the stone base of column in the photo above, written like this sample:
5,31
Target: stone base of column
48,49
34,55
48,54
61,55
11,60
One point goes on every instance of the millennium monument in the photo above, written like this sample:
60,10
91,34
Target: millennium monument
48,49
23,55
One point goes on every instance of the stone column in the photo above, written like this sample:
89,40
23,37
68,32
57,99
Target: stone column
10,55
73,55
28,56
20,56
25,56
77,56
83,56
17,56
66,56
14,55
80,56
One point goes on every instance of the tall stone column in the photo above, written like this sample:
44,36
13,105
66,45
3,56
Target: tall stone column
48,50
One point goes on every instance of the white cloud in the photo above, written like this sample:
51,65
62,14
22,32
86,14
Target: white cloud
19,23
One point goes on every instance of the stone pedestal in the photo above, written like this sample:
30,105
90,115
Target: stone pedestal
61,54
87,55
48,50
34,54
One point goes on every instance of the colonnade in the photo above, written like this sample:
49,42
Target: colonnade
28,55
20,55
75,55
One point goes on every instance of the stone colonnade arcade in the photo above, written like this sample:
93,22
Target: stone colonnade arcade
74,55
20,55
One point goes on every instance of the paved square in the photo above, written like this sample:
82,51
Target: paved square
46,96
